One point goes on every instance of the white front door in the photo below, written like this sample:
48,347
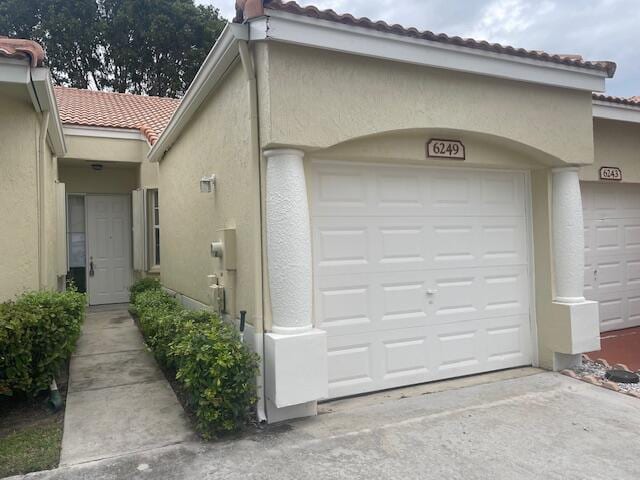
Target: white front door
108,248
420,273
612,252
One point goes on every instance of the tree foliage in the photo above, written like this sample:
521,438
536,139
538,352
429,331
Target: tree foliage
150,47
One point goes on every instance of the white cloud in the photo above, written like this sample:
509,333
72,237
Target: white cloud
596,29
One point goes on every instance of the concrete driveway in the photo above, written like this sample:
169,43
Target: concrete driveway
543,425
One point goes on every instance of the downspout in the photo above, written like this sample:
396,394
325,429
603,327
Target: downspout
44,125
250,72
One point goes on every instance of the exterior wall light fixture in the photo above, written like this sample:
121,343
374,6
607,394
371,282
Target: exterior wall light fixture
207,184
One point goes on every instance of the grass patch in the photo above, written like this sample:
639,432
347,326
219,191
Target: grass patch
30,449
30,435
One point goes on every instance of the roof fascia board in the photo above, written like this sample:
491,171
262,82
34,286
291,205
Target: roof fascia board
312,32
220,58
622,113
14,71
42,86
102,132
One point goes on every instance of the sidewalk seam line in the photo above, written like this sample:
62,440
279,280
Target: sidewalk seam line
146,382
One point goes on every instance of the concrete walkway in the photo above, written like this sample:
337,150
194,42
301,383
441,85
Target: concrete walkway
119,401
538,426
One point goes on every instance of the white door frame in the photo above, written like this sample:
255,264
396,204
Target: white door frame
88,240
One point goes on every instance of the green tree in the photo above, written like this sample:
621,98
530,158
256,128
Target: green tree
150,47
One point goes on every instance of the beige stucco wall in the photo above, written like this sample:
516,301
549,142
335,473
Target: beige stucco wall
353,108
87,149
617,144
19,146
18,215
106,149
148,174
216,141
83,179
317,99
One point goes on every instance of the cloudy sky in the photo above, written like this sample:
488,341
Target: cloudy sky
596,29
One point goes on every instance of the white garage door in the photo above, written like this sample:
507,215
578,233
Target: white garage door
420,273
612,252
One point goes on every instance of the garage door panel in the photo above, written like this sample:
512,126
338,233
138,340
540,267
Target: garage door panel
588,237
389,244
361,303
508,341
608,238
340,188
377,361
403,303
633,274
610,274
612,308
400,244
633,306
419,274
461,348
400,191
503,241
480,293
406,356
344,189
612,251
341,246
351,364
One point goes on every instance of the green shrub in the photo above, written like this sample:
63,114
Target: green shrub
38,333
167,328
143,285
150,306
213,367
218,372
16,332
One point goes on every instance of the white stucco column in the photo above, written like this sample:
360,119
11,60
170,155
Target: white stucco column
288,241
568,236
295,353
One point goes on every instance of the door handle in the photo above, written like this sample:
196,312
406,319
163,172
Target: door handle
91,271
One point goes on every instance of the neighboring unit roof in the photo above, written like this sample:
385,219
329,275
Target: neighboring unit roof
93,108
630,101
22,49
247,9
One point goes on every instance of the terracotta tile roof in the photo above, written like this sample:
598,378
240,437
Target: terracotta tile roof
23,49
630,101
92,108
247,9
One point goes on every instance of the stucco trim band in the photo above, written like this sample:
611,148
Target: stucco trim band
296,29
614,111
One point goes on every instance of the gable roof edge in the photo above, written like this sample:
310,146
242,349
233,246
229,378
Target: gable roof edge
218,61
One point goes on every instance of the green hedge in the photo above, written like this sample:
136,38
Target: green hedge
215,370
143,285
38,333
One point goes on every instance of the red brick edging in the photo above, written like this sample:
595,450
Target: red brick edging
593,380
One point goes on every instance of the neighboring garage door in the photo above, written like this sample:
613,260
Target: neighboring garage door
420,273
612,252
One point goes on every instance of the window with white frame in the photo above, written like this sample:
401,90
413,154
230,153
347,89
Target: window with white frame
154,226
